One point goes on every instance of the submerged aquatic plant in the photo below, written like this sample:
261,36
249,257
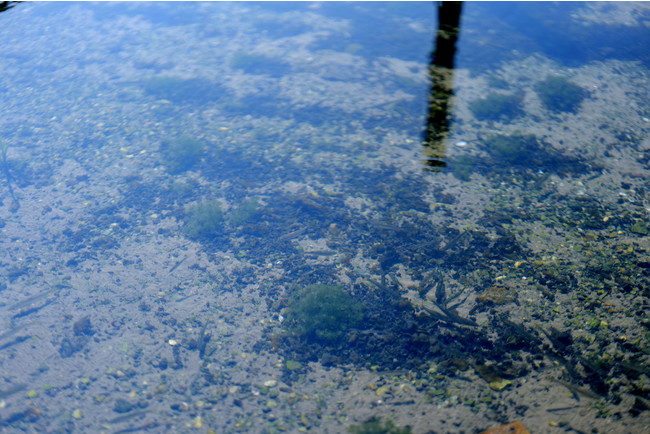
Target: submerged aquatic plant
180,90
526,152
462,167
558,94
203,220
322,313
253,63
497,106
244,212
181,154
512,148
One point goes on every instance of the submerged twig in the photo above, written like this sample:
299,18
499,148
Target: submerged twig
437,309
575,389
449,316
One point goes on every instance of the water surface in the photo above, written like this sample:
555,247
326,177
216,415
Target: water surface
265,217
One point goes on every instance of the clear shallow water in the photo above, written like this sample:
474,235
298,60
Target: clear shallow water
222,217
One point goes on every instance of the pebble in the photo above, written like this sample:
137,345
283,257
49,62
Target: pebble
499,385
197,422
383,390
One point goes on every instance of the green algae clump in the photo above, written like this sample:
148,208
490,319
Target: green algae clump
497,106
181,154
513,148
559,94
203,220
322,313
246,210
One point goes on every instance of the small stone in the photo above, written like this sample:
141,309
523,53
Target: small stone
383,390
292,365
270,383
499,384
197,422
32,394
77,414
122,406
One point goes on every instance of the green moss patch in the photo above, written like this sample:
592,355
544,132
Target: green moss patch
322,313
181,154
558,94
497,106
203,221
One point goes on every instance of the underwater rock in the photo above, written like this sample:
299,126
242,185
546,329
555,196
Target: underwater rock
83,327
499,385
122,406
497,295
82,330
69,346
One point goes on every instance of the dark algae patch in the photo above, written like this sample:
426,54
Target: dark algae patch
559,94
497,106
203,221
375,425
526,154
322,313
253,63
181,154
245,212
180,90
514,148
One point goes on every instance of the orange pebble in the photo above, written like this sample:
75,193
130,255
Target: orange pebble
511,428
